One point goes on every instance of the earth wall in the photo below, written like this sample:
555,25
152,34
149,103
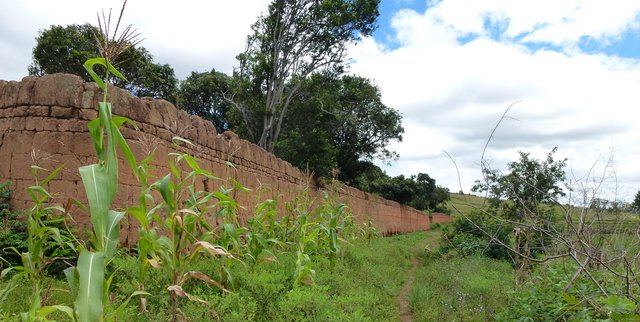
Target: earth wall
43,122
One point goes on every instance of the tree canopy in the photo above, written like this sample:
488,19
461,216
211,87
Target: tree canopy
202,94
519,199
636,202
65,49
418,191
528,183
338,122
294,39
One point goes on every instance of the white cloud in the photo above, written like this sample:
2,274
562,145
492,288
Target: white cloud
557,22
188,34
452,94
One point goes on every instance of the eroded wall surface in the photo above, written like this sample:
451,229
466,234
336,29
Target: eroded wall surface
43,122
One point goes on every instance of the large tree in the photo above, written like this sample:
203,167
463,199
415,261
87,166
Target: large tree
65,49
635,205
529,183
339,123
203,94
294,39
522,196
418,191
365,128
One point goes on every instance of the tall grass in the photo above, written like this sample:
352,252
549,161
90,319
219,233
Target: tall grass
460,289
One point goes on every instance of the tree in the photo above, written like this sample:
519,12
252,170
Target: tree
202,94
636,202
65,49
366,126
340,122
529,183
418,191
294,39
518,195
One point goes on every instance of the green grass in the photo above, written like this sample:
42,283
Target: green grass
55,292
363,286
465,203
460,289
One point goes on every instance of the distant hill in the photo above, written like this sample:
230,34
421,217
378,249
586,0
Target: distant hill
465,203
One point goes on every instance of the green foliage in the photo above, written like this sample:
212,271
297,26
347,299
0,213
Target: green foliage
529,183
338,122
636,202
40,241
360,287
65,49
189,235
542,298
418,191
203,94
290,42
13,233
520,200
478,233
307,304
460,289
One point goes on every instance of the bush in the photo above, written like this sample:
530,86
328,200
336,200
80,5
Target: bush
13,232
307,304
460,289
543,298
476,234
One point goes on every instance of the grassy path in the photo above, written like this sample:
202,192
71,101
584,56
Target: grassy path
405,309
403,303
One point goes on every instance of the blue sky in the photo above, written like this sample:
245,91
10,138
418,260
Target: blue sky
626,45
451,67
388,8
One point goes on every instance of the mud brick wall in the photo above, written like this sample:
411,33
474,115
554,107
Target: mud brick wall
43,121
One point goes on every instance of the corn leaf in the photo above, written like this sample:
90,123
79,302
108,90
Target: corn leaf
203,277
122,143
96,185
45,311
95,132
120,308
88,65
181,293
112,232
91,272
71,273
166,189
177,139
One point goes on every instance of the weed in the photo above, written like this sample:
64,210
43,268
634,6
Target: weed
468,289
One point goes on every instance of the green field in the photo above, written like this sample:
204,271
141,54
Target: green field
365,285
463,203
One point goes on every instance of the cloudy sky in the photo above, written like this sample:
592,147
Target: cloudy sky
570,70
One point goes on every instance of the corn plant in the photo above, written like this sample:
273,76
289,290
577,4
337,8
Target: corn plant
34,261
304,273
301,233
367,230
144,215
100,181
263,231
329,229
175,233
